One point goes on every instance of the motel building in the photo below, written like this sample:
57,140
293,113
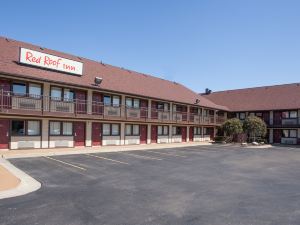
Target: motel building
50,99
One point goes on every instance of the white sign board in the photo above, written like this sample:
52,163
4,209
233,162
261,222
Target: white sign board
48,61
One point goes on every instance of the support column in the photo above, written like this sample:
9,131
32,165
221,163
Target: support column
89,101
123,106
45,133
122,134
88,136
170,133
149,108
215,116
271,117
271,136
46,96
171,111
149,133
187,133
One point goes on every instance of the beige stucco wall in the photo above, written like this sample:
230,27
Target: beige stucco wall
163,139
21,142
132,140
61,141
111,140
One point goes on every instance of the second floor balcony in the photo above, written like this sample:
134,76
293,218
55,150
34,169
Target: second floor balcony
39,105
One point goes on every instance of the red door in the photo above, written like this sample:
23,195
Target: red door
266,117
80,102
154,112
184,113
97,106
4,134
191,134
144,108
183,134
211,133
143,135
96,134
153,134
5,100
79,133
277,118
277,136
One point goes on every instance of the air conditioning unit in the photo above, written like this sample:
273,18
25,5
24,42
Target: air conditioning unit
133,114
112,112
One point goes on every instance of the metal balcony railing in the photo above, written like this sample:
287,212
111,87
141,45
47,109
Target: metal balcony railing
46,105
286,122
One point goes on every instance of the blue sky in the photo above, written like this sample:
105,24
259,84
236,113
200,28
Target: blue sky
206,43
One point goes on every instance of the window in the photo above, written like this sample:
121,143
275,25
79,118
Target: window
259,114
136,130
106,129
289,133
293,133
128,130
132,103
111,129
116,101
65,94
197,130
25,128
111,100
289,114
18,128
67,128
61,128
163,130
33,128
106,100
163,106
206,131
132,130
115,129
54,128
176,130
35,90
242,116
56,93
68,95
19,88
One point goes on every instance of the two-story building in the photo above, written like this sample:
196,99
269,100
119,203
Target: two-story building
50,99
278,106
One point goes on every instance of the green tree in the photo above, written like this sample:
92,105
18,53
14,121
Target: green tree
254,127
232,127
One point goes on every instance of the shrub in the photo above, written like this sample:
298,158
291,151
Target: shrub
254,127
232,127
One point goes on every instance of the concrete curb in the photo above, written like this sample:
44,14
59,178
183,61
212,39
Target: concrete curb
85,150
27,183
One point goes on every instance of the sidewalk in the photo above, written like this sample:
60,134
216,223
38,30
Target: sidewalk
82,150
8,180
14,182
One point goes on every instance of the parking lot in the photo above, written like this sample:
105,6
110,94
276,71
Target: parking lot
195,185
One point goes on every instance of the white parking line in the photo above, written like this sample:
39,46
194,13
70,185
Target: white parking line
164,153
140,156
104,158
65,163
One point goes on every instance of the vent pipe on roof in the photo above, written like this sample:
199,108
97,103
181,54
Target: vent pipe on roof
207,91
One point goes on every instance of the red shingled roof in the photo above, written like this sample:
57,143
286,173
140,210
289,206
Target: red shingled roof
114,78
286,96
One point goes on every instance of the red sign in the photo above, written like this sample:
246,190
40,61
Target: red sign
48,61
